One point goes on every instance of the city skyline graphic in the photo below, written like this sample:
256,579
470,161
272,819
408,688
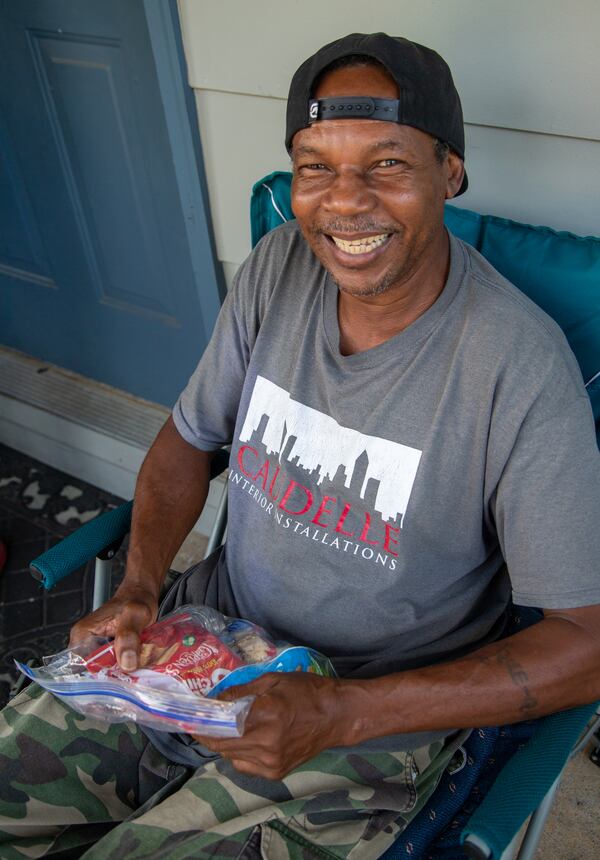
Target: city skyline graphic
381,471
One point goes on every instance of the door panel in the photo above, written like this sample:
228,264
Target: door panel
102,158
22,254
95,261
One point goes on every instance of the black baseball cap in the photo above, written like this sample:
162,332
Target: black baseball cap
428,99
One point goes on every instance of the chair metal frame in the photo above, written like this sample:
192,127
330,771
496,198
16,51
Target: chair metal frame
524,846
103,562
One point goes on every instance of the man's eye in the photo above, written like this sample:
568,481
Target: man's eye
389,162
315,166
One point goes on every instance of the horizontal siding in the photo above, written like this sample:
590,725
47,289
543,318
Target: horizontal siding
535,178
539,179
527,73
242,140
531,65
229,270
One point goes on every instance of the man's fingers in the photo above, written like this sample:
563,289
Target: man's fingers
253,688
98,623
127,650
219,745
238,748
253,768
232,693
230,747
245,759
78,632
130,623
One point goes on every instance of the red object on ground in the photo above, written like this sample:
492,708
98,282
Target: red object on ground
3,555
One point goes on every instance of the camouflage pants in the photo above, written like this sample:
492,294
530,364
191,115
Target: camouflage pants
72,787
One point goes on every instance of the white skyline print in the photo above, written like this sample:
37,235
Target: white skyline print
319,442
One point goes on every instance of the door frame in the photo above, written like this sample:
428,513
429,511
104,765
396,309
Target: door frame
181,118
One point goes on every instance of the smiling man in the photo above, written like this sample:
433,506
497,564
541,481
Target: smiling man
412,449
370,201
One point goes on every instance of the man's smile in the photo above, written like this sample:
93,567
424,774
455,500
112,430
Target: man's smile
363,245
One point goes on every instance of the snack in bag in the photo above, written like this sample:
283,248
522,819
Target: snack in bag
187,658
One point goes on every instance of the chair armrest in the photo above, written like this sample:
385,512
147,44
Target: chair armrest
94,537
81,546
525,780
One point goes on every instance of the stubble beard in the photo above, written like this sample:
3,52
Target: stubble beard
400,273
376,289
394,276
385,283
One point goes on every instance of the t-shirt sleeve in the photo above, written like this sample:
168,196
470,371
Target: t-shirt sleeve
206,410
547,502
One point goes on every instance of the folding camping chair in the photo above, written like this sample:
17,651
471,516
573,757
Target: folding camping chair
527,783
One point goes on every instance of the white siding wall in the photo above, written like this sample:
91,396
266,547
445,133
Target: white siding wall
528,74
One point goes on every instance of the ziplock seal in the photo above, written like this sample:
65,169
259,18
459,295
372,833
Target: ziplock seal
214,707
187,658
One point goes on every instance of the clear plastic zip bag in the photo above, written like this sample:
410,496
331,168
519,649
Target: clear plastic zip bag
187,658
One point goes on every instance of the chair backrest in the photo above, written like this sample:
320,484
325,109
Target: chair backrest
559,271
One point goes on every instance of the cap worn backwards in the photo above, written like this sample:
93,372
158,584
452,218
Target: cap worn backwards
428,99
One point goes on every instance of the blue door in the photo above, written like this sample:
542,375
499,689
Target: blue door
106,262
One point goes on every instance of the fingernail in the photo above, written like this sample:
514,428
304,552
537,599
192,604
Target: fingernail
128,661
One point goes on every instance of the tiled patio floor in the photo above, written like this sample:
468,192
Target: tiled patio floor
38,507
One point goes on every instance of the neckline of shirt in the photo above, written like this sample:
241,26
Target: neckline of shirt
406,340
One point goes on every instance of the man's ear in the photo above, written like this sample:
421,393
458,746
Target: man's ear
456,172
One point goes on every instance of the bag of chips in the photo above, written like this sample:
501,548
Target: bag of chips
186,659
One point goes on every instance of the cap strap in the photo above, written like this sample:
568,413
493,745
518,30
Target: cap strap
353,107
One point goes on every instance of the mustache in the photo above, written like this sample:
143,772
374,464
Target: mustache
356,225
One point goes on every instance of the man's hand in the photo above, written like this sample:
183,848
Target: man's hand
129,612
170,492
293,718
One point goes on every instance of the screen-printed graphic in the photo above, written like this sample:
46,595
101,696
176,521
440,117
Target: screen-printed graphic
311,439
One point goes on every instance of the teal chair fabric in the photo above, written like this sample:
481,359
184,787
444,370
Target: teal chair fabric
559,271
270,204
535,767
465,224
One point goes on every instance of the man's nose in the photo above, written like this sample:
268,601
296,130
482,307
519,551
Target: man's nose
348,194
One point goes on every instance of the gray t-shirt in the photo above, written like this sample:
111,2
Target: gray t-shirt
376,500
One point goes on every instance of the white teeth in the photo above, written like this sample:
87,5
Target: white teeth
360,246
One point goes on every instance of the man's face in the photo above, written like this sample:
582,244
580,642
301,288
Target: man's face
369,195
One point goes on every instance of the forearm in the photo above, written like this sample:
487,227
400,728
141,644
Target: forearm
170,493
549,667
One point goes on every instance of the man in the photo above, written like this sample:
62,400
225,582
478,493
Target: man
411,442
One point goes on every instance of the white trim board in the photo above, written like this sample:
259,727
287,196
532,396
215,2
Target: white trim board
83,401
92,456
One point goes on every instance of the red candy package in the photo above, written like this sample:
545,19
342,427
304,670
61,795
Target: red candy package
179,646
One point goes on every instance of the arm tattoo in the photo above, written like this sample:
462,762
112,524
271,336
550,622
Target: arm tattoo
520,679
